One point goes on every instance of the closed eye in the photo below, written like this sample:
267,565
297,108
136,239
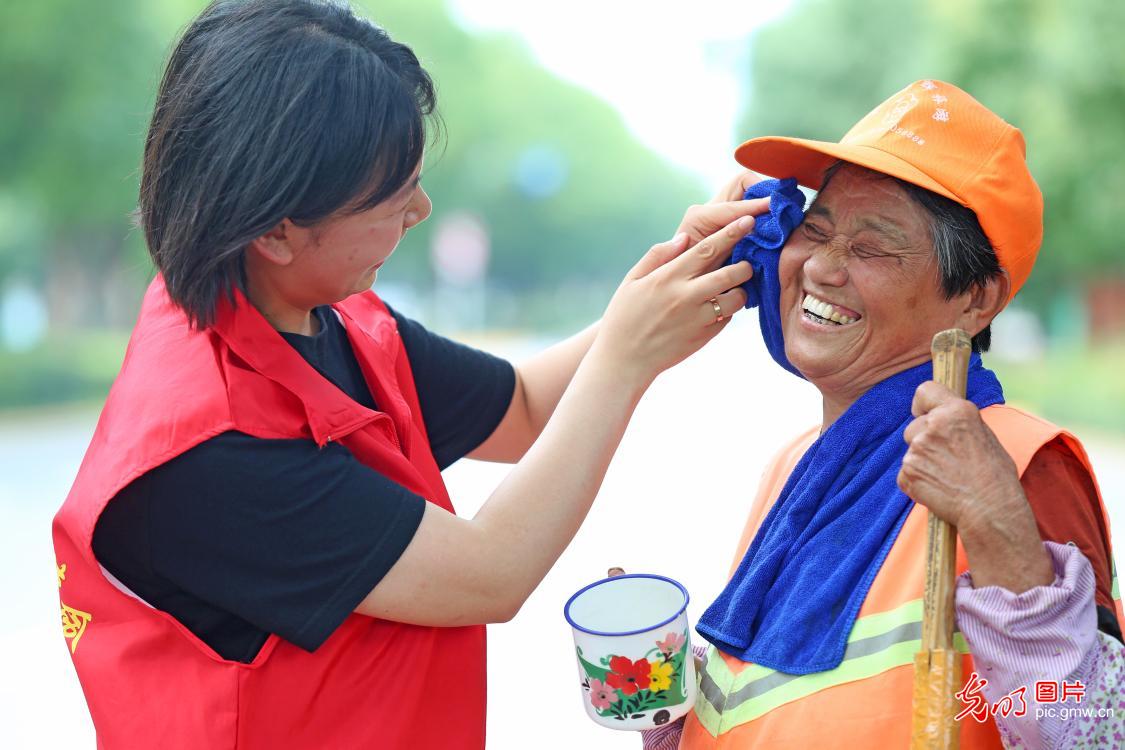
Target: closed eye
814,232
869,251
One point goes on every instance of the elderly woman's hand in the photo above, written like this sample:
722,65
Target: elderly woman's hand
957,468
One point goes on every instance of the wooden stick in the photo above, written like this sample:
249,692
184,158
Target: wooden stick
937,667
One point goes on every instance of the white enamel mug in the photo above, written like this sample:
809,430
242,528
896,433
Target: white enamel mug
635,662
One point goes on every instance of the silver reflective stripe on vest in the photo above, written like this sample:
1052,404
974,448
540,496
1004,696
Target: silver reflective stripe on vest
876,644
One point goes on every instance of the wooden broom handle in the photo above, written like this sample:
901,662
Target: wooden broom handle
951,350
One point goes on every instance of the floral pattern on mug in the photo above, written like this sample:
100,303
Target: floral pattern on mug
672,643
601,697
628,676
626,688
660,678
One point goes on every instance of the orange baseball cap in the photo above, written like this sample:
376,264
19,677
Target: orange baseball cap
934,135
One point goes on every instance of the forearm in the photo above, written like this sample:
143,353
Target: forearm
545,377
459,571
532,516
540,383
1004,548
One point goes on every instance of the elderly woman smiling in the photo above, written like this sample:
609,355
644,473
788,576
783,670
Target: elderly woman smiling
926,219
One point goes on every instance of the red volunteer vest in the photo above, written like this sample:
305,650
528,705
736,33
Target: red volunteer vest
151,683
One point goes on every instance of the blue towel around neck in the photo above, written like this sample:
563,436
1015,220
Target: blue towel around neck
792,602
762,248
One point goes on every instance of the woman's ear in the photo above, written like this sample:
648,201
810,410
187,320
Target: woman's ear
277,246
984,302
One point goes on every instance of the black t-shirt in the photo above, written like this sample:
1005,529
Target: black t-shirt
240,537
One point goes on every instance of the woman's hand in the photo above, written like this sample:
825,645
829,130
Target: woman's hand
957,468
736,186
663,310
727,205
541,380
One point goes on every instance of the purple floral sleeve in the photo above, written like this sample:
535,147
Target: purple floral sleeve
1040,656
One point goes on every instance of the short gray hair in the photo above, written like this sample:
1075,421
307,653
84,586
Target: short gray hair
964,255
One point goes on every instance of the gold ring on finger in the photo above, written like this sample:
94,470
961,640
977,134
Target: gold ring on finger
718,310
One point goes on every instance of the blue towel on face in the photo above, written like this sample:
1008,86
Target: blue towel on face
792,602
762,248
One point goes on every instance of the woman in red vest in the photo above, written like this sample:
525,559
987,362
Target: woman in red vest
258,550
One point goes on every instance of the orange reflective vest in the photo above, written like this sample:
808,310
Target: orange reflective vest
148,681
866,701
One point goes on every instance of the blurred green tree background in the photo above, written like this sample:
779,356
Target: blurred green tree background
1056,70
568,196
567,192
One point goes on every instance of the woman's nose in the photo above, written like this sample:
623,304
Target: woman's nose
420,208
827,264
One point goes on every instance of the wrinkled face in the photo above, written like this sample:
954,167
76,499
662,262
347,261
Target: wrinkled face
343,254
860,290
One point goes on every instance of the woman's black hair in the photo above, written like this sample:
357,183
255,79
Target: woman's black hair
272,109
